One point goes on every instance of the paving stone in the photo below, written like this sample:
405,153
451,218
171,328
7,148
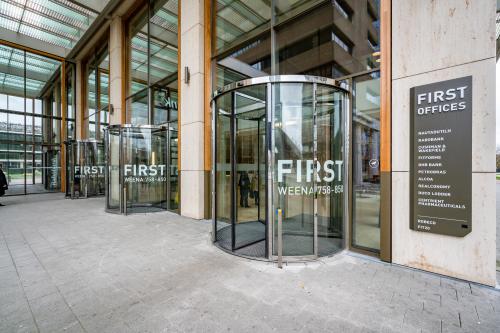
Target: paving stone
83,270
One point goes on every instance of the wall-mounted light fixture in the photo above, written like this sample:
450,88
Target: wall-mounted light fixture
187,75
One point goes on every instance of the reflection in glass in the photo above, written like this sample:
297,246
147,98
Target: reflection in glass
293,126
85,165
244,24
365,164
98,94
139,173
240,170
314,37
29,117
144,148
113,193
153,63
250,156
223,171
173,168
330,151
311,196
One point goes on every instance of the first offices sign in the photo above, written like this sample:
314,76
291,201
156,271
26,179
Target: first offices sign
441,160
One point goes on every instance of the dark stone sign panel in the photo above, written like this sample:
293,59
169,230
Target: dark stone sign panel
441,157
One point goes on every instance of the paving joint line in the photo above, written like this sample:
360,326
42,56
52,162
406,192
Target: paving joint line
20,282
55,285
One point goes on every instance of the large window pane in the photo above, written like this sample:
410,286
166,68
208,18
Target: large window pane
152,63
21,126
365,163
223,174
327,41
293,126
242,40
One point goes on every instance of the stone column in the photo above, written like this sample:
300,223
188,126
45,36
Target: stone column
449,39
193,188
116,71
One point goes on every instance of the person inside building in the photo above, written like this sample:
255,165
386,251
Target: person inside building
3,183
244,184
76,183
255,188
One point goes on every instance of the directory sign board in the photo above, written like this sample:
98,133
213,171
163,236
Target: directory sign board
441,157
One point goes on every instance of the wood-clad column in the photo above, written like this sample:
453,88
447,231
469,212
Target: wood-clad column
207,104
80,102
385,132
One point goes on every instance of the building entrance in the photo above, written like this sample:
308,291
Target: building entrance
278,143
141,168
85,165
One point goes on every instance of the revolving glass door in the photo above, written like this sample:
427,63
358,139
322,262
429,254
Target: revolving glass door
140,177
84,168
278,143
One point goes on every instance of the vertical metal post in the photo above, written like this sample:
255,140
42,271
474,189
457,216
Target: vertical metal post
150,95
269,171
347,114
315,174
214,165
280,238
125,199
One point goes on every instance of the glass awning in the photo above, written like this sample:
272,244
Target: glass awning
58,22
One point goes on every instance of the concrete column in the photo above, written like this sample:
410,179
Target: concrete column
116,71
193,188
79,103
449,39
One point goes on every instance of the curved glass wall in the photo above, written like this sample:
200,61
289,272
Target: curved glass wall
140,174
85,166
278,143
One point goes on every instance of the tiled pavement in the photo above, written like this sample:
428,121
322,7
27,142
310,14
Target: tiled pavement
67,266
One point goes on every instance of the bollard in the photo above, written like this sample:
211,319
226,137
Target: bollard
280,238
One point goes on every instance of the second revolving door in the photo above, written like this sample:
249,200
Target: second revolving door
278,143
141,172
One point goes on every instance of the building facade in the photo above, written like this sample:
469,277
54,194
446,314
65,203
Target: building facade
295,111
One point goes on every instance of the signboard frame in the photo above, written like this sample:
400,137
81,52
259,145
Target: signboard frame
452,167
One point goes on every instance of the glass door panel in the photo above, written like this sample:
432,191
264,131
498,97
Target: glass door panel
173,173
366,163
249,116
330,154
293,161
223,172
113,169
144,160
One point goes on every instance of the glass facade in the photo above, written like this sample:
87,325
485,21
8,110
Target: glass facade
152,92
151,100
30,121
332,39
336,39
97,117
365,162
